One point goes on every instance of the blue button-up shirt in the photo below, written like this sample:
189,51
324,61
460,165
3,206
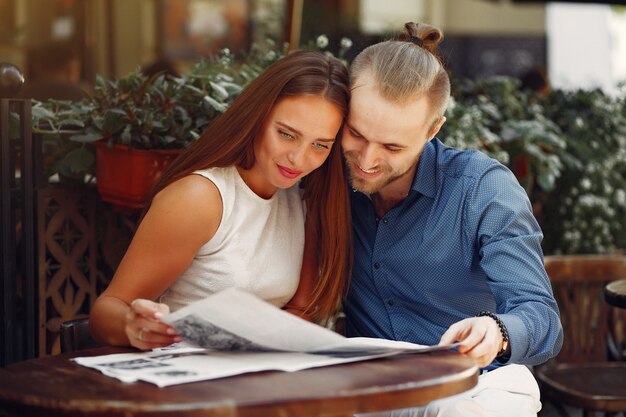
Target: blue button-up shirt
463,241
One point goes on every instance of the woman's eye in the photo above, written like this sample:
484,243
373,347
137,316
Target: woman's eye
318,145
285,134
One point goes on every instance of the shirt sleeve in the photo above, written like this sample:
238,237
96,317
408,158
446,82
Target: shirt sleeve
508,241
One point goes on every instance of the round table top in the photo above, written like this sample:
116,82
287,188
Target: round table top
615,293
587,384
55,386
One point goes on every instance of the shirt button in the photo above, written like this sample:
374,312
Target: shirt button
390,302
377,265
385,220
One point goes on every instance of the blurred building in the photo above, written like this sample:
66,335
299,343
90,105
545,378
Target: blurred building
483,37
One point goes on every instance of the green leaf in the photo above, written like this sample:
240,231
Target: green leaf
224,78
40,112
232,88
79,160
195,89
119,112
126,135
72,123
219,92
220,107
98,122
546,180
113,120
86,137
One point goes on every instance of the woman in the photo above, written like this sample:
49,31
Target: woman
258,202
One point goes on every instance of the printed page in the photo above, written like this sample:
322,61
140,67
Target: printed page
234,320
181,365
233,332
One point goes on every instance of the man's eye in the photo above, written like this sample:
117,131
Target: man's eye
393,148
285,134
354,133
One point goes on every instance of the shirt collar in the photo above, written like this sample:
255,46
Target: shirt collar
425,179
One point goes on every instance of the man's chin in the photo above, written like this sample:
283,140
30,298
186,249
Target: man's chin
364,186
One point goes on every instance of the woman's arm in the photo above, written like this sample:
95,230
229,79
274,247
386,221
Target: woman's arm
309,275
182,217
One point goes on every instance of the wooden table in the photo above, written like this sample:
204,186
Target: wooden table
615,293
55,386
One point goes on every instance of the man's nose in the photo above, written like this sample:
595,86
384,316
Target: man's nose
368,157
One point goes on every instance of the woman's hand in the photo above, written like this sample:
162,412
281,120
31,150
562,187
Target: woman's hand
144,327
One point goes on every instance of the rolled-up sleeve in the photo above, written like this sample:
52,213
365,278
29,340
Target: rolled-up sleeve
509,249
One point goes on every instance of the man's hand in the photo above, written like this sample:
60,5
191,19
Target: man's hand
479,338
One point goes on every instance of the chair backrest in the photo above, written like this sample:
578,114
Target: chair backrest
75,335
589,323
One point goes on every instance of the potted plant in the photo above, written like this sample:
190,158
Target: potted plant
139,124
126,133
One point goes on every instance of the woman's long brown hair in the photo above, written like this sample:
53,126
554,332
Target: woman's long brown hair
229,141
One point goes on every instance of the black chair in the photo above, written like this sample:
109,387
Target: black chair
75,335
589,372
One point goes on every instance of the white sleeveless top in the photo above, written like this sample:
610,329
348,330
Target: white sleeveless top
258,245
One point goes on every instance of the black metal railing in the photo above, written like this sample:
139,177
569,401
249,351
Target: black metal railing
18,291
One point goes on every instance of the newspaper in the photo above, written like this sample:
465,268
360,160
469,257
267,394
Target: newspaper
233,332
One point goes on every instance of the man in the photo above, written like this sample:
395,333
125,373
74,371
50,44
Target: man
446,247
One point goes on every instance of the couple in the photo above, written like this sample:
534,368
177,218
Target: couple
444,242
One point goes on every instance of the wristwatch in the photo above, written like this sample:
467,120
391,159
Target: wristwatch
503,349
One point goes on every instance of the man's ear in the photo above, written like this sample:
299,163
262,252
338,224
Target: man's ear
436,126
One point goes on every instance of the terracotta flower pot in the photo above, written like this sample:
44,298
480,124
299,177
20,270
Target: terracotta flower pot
125,175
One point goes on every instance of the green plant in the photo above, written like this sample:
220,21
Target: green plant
568,150
54,122
494,115
588,205
166,112
159,112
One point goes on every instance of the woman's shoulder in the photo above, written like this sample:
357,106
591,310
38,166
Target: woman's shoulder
192,202
217,174
190,189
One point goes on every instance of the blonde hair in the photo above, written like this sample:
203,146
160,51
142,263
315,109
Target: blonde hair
406,69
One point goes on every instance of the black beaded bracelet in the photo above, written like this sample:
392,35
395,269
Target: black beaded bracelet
503,331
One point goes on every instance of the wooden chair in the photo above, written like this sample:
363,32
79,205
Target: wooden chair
75,335
588,373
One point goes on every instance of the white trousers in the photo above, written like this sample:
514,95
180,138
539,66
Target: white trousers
509,391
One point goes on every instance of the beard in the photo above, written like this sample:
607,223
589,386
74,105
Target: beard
373,185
